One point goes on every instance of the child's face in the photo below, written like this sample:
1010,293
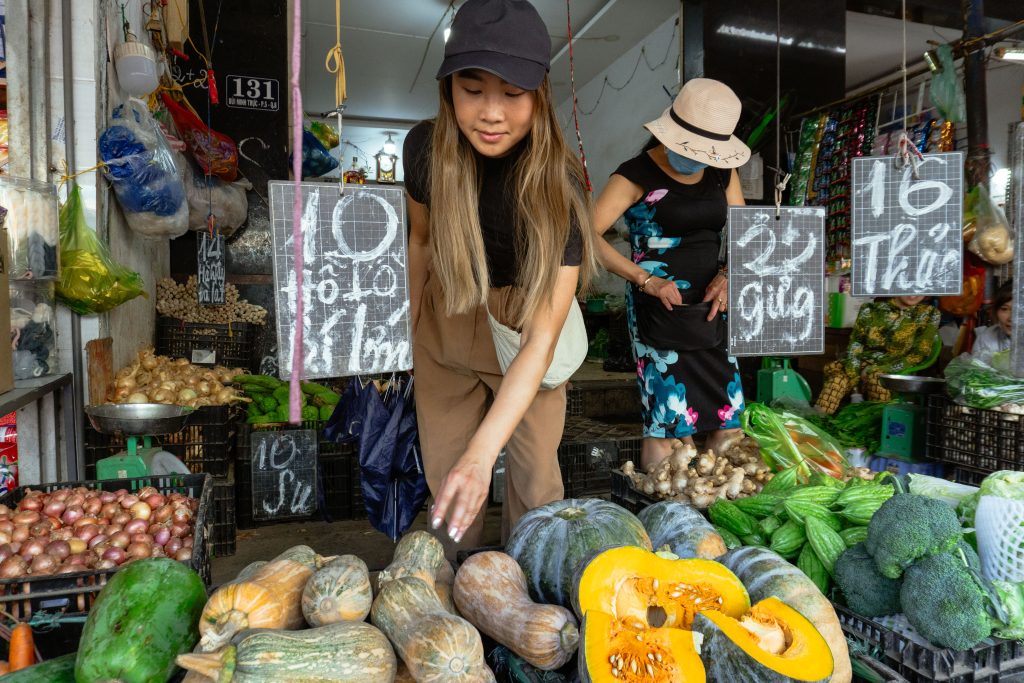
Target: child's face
493,115
907,301
1004,316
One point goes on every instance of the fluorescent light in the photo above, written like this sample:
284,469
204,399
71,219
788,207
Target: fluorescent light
740,32
447,33
1010,54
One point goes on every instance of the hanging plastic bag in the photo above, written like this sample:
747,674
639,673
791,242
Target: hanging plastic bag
993,239
972,295
209,194
947,93
327,136
91,281
973,382
788,440
316,160
141,170
215,152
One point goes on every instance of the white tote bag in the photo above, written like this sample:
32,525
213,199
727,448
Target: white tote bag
570,352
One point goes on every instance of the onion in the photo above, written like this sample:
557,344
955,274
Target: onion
92,506
111,529
138,551
20,533
31,548
85,521
55,508
127,501
26,517
77,545
115,554
162,536
6,525
72,514
43,564
78,558
186,542
172,546
179,529
40,529
65,568
60,494
96,540
203,388
181,513
163,513
146,491
106,564
157,551
13,567
154,500
142,538
183,555
6,551
59,549
4,537
62,534
137,397
121,518
31,502
136,526
141,510
121,539
87,532
108,497
110,509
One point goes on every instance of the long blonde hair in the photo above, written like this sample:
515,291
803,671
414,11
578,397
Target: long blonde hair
550,195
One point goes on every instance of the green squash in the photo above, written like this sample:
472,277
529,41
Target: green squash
143,618
551,541
57,670
683,529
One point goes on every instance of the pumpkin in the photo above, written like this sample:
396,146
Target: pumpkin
773,643
766,574
683,529
403,675
490,592
270,597
657,591
613,650
443,584
338,591
435,645
551,541
346,652
417,554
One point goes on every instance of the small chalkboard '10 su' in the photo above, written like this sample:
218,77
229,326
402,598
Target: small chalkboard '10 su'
284,473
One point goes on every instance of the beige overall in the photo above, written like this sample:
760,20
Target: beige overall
457,375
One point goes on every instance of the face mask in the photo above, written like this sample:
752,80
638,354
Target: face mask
683,165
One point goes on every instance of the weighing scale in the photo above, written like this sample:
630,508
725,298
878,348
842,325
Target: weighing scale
136,421
903,420
776,380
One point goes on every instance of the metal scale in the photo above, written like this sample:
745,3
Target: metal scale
903,420
137,421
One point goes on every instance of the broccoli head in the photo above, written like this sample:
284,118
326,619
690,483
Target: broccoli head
946,602
867,592
909,527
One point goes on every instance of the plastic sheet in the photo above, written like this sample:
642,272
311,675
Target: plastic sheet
316,160
32,328
209,194
993,239
216,153
91,281
788,440
973,382
32,228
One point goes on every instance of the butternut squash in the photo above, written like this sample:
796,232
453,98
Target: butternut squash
443,584
417,554
339,591
491,593
270,597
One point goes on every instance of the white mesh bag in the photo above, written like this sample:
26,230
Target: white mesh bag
999,525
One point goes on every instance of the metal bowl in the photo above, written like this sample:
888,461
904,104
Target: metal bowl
138,419
912,384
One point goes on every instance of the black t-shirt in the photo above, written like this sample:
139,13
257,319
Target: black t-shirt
498,211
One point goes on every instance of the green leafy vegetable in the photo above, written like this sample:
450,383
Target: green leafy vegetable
941,489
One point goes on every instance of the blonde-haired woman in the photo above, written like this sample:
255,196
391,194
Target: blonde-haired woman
499,221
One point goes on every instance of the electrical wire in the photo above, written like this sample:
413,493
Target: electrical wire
606,83
430,39
575,103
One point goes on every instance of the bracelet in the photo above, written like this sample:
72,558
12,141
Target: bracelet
644,285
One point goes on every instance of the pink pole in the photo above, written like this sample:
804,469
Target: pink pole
295,389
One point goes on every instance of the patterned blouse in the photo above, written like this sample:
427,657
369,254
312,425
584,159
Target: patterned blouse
890,338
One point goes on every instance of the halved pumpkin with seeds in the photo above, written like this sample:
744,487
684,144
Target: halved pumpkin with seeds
624,650
656,590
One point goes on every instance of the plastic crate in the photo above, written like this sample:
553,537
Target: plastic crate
223,530
981,439
625,495
233,344
573,402
993,661
76,593
901,467
340,495
589,451
969,476
205,444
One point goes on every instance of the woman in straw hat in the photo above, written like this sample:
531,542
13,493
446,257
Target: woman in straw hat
675,196
499,216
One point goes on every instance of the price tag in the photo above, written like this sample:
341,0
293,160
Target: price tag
283,473
210,268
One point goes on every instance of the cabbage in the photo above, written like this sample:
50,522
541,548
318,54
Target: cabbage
1009,609
1004,484
947,491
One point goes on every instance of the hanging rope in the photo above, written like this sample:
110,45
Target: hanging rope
295,389
780,180
907,153
575,108
335,64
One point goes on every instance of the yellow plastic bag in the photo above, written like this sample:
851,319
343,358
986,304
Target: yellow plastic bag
90,280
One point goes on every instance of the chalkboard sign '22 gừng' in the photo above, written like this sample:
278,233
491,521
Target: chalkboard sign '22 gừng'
906,226
355,290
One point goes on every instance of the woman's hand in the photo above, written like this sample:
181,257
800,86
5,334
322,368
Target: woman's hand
462,495
718,294
665,290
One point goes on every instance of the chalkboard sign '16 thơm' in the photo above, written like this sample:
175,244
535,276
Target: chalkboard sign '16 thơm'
906,226
283,473
355,292
210,268
776,281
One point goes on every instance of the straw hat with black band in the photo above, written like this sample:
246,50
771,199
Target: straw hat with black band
700,123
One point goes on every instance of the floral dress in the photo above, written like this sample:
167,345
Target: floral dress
675,234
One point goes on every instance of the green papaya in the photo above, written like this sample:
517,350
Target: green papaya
57,670
146,615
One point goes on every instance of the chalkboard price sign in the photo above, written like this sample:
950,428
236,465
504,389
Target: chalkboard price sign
906,226
210,268
776,281
283,473
355,294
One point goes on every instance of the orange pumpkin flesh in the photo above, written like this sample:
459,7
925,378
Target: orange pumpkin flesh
640,586
625,651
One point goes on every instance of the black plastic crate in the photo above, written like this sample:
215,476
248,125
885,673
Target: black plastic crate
980,439
625,495
76,593
589,451
233,345
223,530
205,444
969,476
993,661
573,402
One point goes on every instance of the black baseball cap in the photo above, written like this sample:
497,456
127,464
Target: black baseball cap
504,37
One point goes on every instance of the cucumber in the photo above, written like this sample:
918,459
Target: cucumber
828,545
725,514
799,511
58,670
143,618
